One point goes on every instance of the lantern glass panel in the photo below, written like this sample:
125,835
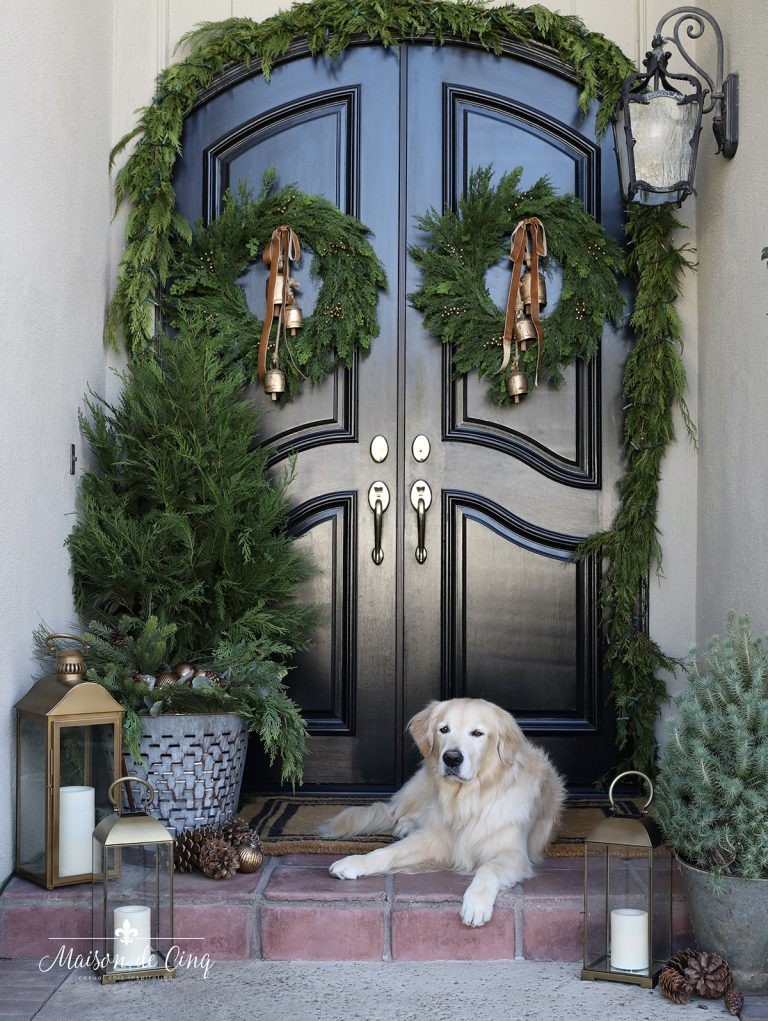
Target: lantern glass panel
32,789
662,904
86,769
596,890
663,127
132,913
628,909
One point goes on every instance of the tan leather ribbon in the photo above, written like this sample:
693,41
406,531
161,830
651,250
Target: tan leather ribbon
528,243
281,250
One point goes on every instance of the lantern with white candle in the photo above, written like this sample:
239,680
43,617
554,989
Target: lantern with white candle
69,744
132,892
627,895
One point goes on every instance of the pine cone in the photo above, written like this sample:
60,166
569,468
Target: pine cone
218,859
734,1001
709,975
680,960
186,849
674,987
235,830
117,638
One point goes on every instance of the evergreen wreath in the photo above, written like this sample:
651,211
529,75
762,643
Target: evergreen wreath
461,245
654,379
203,292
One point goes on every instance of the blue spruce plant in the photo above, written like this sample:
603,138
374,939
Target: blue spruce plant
712,795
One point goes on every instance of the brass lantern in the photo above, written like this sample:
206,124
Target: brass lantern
68,749
132,893
627,897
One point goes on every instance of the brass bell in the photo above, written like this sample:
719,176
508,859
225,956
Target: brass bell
274,382
293,320
525,331
279,291
525,291
517,385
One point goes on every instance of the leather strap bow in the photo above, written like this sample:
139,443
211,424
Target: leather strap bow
528,244
281,250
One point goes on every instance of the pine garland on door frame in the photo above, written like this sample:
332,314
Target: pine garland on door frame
461,245
202,289
327,28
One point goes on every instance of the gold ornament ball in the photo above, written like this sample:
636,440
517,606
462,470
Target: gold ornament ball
250,858
184,671
164,680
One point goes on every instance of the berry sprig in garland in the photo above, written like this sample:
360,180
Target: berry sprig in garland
204,290
461,245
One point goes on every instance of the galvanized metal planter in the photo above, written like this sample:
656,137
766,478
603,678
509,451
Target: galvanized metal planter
195,763
732,923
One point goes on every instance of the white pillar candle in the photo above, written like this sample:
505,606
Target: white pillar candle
629,939
132,936
77,819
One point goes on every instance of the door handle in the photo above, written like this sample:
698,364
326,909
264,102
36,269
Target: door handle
378,501
421,498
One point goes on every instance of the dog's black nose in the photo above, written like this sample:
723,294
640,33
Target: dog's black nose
452,758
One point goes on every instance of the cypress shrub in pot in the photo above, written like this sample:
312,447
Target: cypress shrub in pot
712,799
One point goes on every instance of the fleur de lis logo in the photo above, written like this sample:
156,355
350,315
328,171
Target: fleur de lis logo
126,932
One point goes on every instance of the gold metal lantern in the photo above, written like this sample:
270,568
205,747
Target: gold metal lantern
68,750
627,897
132,893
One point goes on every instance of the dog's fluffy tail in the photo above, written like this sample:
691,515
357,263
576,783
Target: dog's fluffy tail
551,801
358,820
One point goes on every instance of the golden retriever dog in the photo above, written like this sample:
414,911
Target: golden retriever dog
484,801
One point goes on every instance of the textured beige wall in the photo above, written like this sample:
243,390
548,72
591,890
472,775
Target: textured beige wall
55,80
733,341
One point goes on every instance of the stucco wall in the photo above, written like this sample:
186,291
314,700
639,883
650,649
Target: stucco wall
56,76
733,342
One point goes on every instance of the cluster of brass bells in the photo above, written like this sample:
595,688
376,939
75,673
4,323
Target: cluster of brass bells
527,297
282,249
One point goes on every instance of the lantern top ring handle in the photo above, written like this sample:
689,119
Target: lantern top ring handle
69,638
632,772
134,779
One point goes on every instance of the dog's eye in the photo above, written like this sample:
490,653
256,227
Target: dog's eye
476,733
445,729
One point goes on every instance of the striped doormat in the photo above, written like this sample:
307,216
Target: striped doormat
287,824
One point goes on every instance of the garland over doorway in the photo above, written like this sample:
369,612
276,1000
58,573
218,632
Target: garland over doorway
654,378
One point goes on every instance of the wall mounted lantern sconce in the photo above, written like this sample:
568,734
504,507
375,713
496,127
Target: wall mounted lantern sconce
658,120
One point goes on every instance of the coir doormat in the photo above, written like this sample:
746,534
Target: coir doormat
287,824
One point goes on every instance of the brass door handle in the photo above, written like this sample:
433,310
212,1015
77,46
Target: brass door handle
378,501
421,498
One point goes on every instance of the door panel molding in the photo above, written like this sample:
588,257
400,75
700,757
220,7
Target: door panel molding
460,423
465,625
329,702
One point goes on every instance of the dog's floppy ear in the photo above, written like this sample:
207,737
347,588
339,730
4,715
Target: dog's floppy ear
509,737
421,728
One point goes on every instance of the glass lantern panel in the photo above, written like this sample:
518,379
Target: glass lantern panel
663,129
137,915
32,789
595,919
102,944
86,770
628,909
662,904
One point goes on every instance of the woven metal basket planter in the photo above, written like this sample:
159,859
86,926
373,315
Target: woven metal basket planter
195,762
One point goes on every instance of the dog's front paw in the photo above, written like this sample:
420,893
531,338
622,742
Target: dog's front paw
476,908
349,868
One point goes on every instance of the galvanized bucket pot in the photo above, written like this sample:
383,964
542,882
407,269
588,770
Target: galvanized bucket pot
195,763
733,923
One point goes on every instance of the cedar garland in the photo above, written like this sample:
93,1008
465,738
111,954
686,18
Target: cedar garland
654,377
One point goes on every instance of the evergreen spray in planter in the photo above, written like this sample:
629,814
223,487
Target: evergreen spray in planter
712,800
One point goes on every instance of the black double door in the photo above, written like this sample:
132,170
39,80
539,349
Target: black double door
497,610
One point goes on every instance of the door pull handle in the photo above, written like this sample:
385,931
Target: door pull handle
378,501
421,498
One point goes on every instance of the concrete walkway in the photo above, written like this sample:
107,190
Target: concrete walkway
332,991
